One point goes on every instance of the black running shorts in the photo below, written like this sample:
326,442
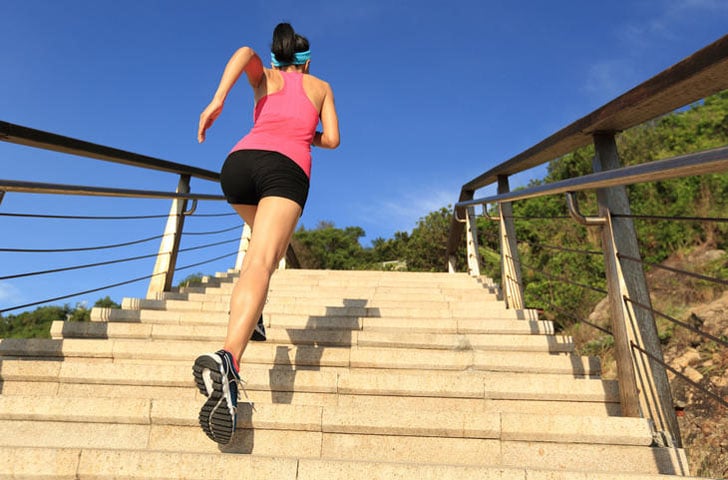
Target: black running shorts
249,175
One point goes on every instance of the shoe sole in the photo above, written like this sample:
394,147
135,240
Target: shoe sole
215,416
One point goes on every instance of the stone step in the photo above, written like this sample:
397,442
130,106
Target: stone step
221,309
358,292
78,463
382,402
349,281
376,350
309,356
344,315
336,419
410,324
360,274
369,382
347,324
201,302
282,281
500,342
311,388
340,446
285,330
294,329
346,277
327,293
319,278
288,280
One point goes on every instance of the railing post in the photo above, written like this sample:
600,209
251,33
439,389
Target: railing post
243,247
510,261
471,238
628,392
169,246
627,280
456,229
451,264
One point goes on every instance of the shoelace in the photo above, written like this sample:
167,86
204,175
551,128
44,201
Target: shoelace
241,386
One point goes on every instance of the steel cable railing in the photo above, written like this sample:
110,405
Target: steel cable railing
109,262
564,280
535,248
179,238
80,249
113,285
678,322
682,376
650,265
103,217
674,270
721,342
705,386
561,249
127,259
214,232
662,217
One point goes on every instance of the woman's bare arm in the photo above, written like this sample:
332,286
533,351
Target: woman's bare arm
329,138
243,60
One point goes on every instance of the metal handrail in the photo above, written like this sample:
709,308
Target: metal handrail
694,78
166,258
63,189
164,268
701,163
31,137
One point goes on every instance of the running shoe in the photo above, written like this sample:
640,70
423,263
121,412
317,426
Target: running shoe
259,331
217,379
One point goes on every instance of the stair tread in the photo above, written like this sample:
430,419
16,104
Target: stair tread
38,462
338,419
400,375
305,334
472,383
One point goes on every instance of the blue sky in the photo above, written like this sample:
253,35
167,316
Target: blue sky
430,94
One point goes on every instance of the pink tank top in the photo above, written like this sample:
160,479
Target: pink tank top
284,122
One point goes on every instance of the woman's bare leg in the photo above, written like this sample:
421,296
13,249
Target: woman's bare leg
272,224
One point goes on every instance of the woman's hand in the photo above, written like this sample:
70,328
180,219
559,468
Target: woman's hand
208,117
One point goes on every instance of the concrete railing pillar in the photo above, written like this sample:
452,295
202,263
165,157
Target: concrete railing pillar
243,246
471,238
512,282
626,280
163,273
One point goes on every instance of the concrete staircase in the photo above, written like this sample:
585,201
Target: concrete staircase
364,375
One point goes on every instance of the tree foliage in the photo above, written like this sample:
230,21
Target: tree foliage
422,249
550,242
328,247
37,323
192,279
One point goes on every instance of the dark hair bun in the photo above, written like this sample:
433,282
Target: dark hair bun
284,42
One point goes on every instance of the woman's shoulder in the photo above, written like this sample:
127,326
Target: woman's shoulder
316,82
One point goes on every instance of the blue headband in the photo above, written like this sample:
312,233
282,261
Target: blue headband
299,58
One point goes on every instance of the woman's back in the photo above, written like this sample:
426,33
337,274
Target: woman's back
285,119
273,82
